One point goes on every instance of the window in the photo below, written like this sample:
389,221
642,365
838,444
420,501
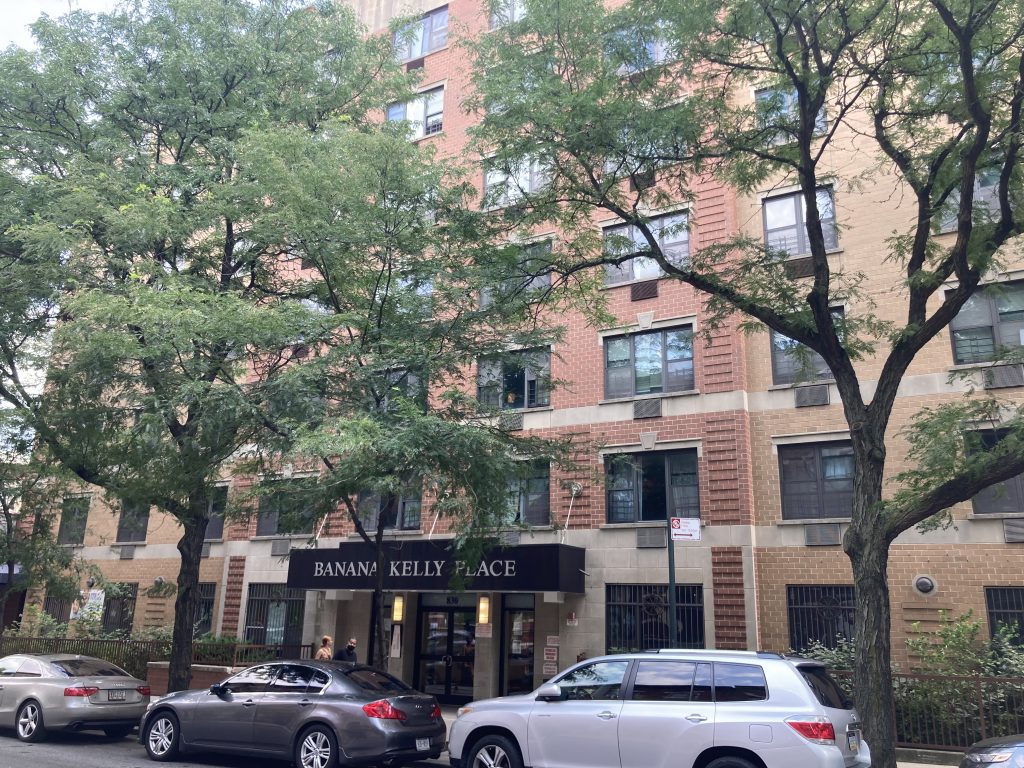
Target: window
73,517
292,678
204,609
396,513
274,614
506,185
792,362
217,503
600,681
636,616
521,380
635,50
739,682
986,202
648,363
671,681
423,36
58,608
673,237
507,12
1007,496
529,494
533,273
1006,607
119,608
817,480
779,110
991,319
785,222
132,525
253,680
425,113
651,486
282,509
819,613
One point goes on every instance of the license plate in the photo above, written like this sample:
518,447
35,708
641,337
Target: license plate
422,745
853,739
116,695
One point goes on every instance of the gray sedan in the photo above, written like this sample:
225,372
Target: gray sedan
59,692
317,713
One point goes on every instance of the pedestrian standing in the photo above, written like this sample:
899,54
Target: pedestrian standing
348,653
326,649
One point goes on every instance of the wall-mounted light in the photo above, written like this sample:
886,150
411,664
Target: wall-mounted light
398,609
483,610
90,582
158,581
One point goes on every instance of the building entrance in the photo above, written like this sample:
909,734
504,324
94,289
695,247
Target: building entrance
445,647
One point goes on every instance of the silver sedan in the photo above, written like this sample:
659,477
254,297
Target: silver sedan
40,693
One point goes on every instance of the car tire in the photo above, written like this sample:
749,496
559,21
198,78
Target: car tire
117,731
29,722
494,752
162,736
316,747
730,762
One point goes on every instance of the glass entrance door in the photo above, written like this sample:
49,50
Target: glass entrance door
518,644
446,646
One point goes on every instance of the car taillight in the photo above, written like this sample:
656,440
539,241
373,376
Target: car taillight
383,710
84,690
435,713
144,690
819,730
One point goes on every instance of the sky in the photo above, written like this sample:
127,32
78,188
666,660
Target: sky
16,15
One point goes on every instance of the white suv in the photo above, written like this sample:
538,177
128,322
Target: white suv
668,709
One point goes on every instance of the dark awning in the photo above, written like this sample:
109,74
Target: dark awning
428,566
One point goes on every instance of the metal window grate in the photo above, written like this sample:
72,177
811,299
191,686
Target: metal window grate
58,608
273,615
204,609
119,608
821,613
1004,376
822,535
643,291
636,616
651,538
1006,607
810,396
1013,530
647,409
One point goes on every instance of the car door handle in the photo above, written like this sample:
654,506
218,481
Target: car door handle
695,718
305,703
606,715
248,703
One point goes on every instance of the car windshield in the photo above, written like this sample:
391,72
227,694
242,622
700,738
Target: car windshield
88,668
376,681
827,690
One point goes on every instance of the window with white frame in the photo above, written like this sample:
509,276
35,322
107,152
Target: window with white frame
284,509
427,34
651,486
779,110
519,380
633,50
673,236
986,202
133,523
817,480
73,518
508,184
529,494
506,12
533,273
792,362
649,362
991,319
401,512
785,222
425,113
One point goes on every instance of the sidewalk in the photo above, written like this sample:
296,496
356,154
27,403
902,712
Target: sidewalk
449,714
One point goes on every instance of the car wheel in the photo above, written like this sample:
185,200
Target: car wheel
162,736
30,722
730,762
118,731
317,747
494,752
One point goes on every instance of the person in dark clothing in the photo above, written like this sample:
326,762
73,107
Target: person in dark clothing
348,653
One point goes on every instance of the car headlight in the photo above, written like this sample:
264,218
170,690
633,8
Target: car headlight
463,711
990,757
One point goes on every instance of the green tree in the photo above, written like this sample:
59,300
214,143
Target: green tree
407,286
132,241
931,91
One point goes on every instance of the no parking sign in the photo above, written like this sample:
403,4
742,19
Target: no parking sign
685,528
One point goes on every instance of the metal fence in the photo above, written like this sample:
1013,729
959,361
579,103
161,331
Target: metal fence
952,712
134,655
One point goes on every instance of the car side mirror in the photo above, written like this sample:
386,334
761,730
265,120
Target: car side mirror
219,689
549,692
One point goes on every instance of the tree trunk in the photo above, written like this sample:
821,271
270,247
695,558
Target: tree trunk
377,610
868,548
190,545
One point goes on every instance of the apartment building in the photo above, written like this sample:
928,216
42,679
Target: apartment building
719,429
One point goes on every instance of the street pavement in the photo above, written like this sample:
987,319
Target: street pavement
94,750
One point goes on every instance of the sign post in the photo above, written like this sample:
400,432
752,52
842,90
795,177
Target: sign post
679,529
